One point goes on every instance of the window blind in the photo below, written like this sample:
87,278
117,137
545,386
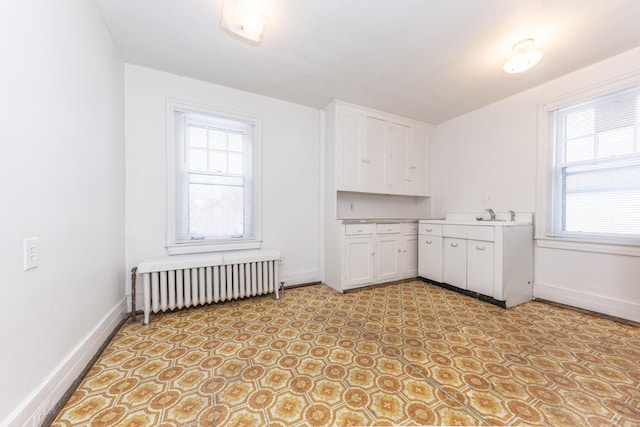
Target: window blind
594,190
214,179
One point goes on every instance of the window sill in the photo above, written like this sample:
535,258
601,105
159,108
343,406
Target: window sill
196,248
588,246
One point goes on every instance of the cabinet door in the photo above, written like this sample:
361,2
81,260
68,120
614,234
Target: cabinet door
373,154
418,160
480,267
409,257
455,262
387,258
397,159
359,253
350,138
430,257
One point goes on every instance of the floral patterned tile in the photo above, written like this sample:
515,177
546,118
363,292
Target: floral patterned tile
402,354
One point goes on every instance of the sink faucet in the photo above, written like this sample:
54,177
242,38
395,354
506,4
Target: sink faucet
513,216
492,213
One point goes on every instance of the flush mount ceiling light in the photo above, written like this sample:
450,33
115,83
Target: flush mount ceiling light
245,18
525,57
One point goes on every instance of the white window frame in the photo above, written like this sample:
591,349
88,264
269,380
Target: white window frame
545,169
173,246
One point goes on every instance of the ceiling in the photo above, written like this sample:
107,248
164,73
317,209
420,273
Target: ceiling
429,60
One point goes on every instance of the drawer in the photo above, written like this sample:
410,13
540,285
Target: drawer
357,229
388,228
473,232
409,227
431,229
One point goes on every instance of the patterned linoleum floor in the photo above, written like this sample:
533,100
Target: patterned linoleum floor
402,354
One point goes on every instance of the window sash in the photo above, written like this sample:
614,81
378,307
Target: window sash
195,187
594,190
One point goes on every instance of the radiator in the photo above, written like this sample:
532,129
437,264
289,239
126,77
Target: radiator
188,281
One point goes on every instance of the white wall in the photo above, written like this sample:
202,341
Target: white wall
487,158
291,204
61,180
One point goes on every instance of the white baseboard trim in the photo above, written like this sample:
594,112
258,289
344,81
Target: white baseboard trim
300,277
598,303
42,400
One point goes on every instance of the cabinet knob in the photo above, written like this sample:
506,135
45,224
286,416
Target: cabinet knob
429,229
399,251
428,242
454,245
480,248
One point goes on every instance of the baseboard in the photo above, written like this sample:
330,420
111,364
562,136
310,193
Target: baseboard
300,278
597,303
43,399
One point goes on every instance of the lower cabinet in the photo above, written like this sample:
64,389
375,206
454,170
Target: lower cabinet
454,270
409,256
387,257
496,261
480,264
430,248
468,264
359,252
378,253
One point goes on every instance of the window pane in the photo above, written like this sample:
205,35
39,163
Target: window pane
197,137
213,197
580,124
603,199
615,142
579,149
609,212
218,161
224,180
217,139
216,210
236,163
595,186
236,142
616,111
197,160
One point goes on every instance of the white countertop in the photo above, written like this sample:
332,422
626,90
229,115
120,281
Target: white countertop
503,219
377,221
475,222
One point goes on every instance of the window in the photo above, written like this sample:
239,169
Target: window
213,191
594,174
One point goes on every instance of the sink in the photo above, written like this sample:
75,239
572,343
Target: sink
481,219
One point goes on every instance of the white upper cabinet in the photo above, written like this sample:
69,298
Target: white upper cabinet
379,153
417,162
350,128
373,155
397,158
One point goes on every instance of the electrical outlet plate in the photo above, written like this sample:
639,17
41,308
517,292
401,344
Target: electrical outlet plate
30,253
